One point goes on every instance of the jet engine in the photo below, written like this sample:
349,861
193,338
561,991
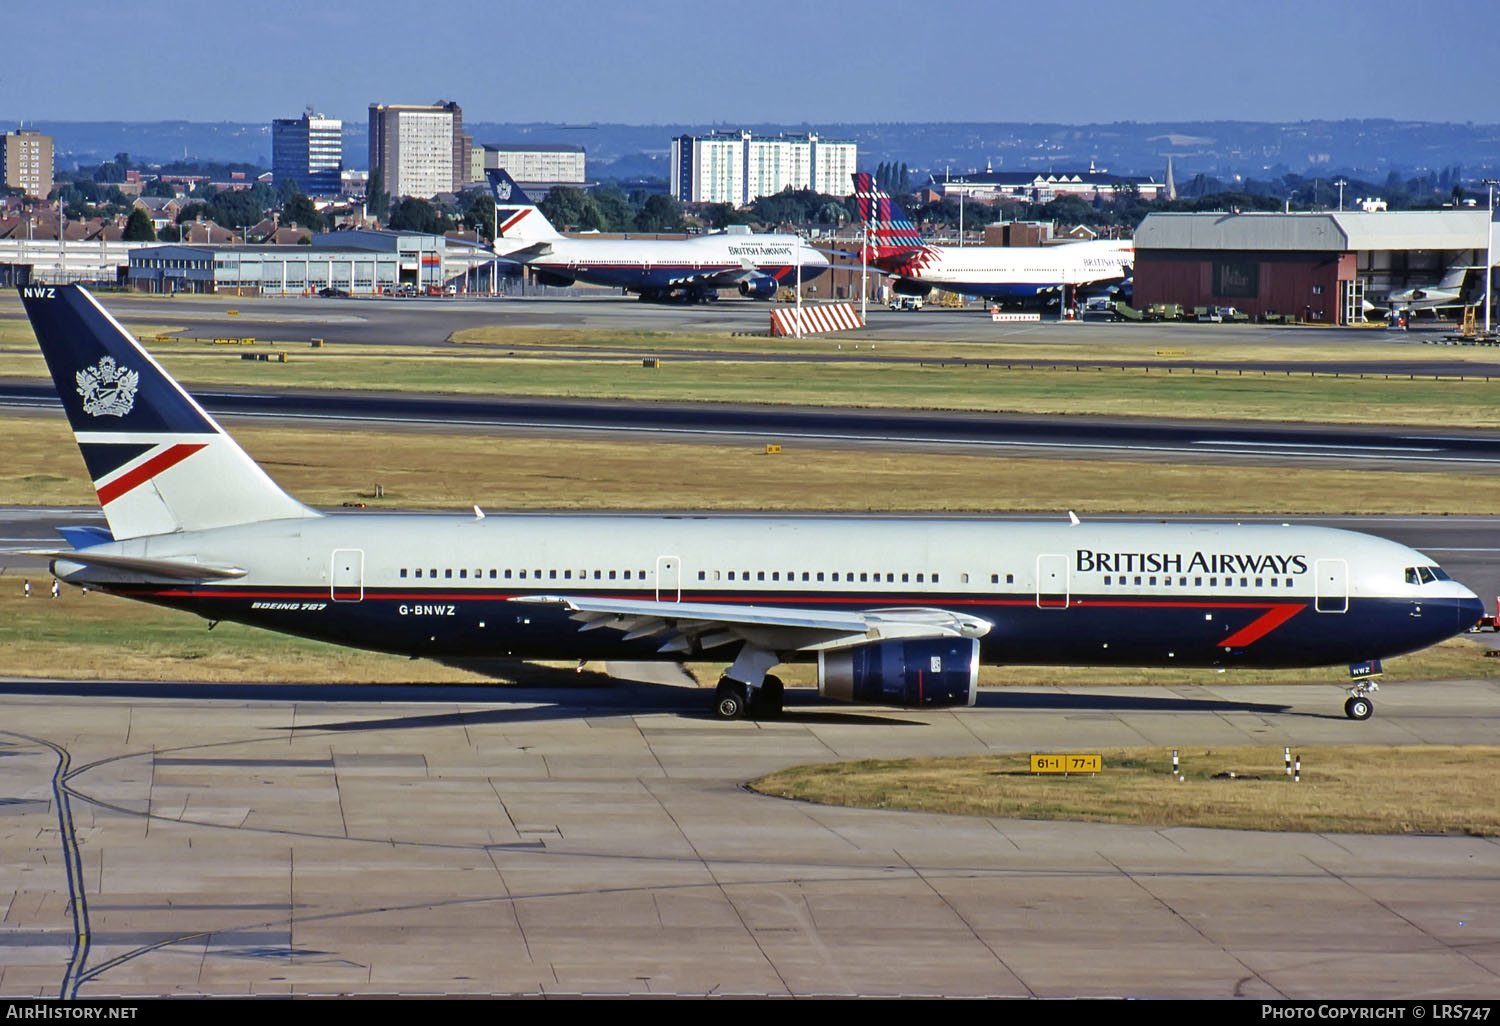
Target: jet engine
760,288
907,287
915,674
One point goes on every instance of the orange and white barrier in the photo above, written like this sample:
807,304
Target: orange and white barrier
997,316
815,319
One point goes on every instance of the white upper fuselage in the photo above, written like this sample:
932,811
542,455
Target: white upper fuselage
1026,268
661,263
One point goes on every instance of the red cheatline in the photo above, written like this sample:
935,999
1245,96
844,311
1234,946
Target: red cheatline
146,471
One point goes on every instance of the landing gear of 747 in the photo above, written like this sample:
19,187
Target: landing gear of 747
730,699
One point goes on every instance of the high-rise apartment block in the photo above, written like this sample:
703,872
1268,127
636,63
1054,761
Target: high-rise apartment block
420,151
739,167
27,159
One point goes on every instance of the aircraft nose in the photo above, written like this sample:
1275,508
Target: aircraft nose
1470,610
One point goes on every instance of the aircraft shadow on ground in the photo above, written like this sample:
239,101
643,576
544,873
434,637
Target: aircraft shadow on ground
566,696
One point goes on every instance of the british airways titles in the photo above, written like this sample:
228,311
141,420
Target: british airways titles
1088,561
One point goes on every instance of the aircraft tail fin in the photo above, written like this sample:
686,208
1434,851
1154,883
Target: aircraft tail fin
1454,278
519,218
891,234
158,461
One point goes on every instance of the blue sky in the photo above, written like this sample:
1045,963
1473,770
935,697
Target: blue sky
665,61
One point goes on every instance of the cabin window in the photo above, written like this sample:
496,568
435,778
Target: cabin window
432,572
760,575
523,575
716,575
1258,582
1244,582
1197,582
920,577
507,573
1288,582
611,575
448,573
1275,583
890,578
775,575
1010,578
702,575
934,578
464,574
598,575
552,575
1152,582
1106,578
805,575
820,575
905,578
537,574
627,575
1213,582
492,575
1137,580
403,572
731,575
1182,582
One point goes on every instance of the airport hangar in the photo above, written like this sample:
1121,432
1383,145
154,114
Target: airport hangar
1320,267
359,262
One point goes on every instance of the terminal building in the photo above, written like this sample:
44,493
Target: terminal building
1329,268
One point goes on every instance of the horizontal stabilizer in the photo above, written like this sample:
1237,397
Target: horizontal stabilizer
174,569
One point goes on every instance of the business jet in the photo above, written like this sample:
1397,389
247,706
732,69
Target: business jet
893,611
692,269
1014,275
1448,292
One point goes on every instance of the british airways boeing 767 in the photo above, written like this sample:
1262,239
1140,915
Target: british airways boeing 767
893,611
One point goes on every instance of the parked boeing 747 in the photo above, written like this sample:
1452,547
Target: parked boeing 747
893,611
1031,276
657,269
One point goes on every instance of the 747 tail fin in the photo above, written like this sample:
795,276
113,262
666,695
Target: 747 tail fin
519,218
158,462
890,233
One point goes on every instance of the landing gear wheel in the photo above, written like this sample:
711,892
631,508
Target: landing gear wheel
730,700
768,702
1359,708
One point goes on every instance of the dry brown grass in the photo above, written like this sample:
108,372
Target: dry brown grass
1349,789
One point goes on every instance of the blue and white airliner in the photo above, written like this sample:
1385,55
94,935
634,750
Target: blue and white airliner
695,269
893,611
1028,276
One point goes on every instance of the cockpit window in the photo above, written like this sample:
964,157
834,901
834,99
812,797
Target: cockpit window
1411,576
1425,574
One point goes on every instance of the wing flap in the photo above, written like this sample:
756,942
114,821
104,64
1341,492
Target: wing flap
684,625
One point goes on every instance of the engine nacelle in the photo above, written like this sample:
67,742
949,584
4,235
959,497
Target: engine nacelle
907,287
760,288
918,674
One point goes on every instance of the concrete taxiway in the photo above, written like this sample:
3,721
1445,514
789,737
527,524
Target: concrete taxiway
236,840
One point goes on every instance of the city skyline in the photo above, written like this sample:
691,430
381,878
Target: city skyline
670,62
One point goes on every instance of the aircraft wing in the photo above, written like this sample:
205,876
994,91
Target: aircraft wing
690,626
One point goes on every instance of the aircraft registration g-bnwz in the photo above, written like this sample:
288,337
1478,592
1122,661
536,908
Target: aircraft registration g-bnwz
894,611
694,270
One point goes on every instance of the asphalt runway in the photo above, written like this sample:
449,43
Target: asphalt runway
242,840
1216,441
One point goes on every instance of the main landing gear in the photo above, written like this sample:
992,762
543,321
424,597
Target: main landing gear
733,700
1359,706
